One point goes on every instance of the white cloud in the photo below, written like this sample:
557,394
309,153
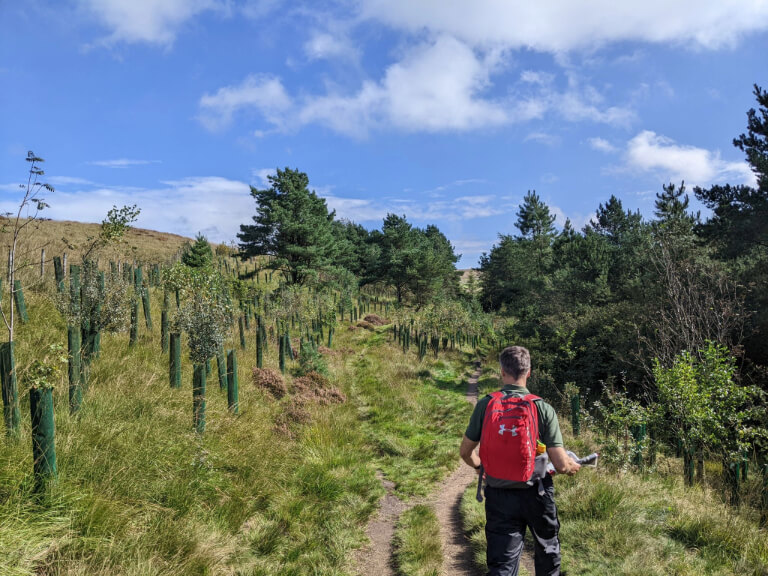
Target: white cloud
602,145
264,93
438,86
121,163
543,138
212,205
651,152
324,45
578,220
261,174
559,26
455,209
148,21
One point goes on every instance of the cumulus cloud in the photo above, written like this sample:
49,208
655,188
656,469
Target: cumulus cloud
263,93
651,152
560,26
441,85
146,21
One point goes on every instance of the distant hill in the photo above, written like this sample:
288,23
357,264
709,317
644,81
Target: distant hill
60,236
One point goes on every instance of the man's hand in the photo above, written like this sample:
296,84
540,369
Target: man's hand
563,463
467,453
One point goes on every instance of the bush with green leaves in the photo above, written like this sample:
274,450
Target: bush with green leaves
699,399
206,310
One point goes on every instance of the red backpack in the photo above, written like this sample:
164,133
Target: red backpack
508,439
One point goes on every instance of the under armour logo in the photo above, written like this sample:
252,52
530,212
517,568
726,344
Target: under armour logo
504,428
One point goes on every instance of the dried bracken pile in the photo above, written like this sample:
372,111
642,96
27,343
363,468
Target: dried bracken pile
376,320
270,380
366,325
315,387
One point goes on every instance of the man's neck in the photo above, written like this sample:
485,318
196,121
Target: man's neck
519,383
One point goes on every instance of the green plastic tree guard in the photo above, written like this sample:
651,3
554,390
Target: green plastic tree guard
11,414
134,333
688,465
145,304
330,337
208,367
58,272
734,477
241,327
221,367
178,300
233,401
745,467
764,511
164,330
281,348
575,412
73,370
174,361
198,398
43,443
18,300
259,345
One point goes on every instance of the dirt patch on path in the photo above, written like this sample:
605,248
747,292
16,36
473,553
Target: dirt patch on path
376,558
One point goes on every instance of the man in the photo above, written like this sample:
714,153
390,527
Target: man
510,506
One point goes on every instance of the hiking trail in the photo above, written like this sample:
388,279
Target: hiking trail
376,559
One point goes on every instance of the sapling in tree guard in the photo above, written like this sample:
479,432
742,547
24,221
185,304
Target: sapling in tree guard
40,376
18,227
205,316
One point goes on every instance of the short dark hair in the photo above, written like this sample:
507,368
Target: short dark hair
515,361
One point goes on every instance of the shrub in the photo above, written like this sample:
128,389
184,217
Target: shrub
310,360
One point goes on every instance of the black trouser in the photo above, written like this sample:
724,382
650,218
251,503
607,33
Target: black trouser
507,513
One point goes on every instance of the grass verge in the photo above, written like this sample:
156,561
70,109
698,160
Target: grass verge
418,550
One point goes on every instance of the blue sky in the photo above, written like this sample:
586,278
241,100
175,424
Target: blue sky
446,111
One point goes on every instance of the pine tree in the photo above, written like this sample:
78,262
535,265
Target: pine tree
293,226
199,254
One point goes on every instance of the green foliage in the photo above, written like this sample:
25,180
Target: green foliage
699,399
206,310
199,254
43,373
310,360
293,226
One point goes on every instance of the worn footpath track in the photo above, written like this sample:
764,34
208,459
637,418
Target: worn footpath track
376,559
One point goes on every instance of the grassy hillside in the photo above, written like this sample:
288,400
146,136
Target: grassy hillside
60,236
286,487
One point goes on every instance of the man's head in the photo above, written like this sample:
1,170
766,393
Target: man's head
515,362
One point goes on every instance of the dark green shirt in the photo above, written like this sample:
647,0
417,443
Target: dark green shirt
549,427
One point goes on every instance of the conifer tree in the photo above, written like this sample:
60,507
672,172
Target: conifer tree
199,254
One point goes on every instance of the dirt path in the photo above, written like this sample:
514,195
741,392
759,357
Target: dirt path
376,558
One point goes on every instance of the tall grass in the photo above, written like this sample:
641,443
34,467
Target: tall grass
140,493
